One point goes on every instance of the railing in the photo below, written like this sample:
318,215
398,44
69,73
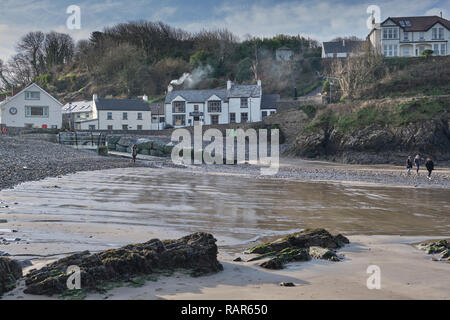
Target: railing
86,140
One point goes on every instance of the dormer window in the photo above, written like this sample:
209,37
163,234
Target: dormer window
32,95
214,106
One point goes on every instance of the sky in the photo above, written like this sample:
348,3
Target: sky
320,20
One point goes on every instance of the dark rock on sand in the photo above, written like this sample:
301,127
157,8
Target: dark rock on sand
323,253
196,252
287,284
441,247
10,272
300,246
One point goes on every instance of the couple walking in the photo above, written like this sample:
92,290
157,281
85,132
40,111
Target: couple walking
429,164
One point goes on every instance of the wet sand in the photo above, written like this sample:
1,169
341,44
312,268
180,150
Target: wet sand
109,208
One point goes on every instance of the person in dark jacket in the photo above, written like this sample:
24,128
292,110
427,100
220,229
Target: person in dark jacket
417,163
409,164
134,152
430,167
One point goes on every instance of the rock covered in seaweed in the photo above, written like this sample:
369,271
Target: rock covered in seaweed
196,252
10,272
300,246
441,247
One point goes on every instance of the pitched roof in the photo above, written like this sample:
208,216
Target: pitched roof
4,102
122,104
244,91
269,101
196,95
284,48
346,46
77,106
411,24
200,96
157,108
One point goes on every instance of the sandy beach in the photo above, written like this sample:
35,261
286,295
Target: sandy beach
107,209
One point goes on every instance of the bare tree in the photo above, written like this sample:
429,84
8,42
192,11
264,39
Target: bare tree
59,48
31,47
359,70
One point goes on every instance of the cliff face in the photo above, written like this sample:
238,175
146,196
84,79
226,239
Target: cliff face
377,142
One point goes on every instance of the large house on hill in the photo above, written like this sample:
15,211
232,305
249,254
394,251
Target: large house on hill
235,104
410,36
32,107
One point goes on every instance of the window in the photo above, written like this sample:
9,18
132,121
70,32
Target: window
124,127
395,50
92,127
264,114
162,119
232,117
179,120
421,35
110,127
87,115
215,119
139,116
109,116
154,119
405,51
32,95
139,126
214,106
436,49
244,117
443,51
441,34
36,112
244,103
405,35
390,33
385,50
196,107
179,107
124,116
437,33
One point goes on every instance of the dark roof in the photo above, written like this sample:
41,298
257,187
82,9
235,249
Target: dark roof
157,108
418,23
346,46
122,104
196,95
244,91
269,101
200,96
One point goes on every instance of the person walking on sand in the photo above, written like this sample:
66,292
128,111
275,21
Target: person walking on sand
417,163
134,153
430,167
409,164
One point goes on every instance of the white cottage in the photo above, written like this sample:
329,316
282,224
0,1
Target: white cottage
235,104
32,107
118,114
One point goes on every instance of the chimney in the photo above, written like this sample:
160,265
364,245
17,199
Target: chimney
169,88
229,84
259,83
145,98
95,97
441,14
343,42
